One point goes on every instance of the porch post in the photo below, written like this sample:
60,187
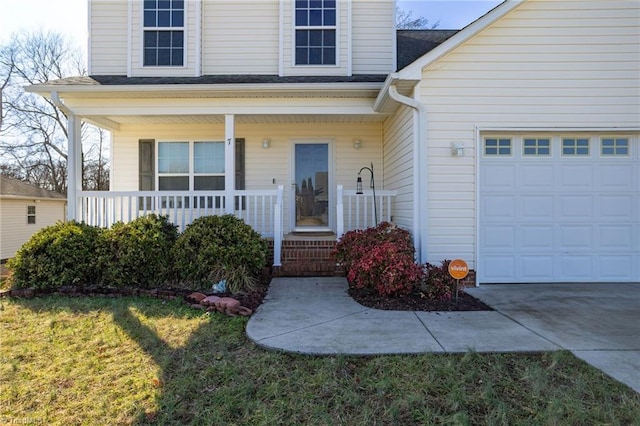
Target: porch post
229,163
74,166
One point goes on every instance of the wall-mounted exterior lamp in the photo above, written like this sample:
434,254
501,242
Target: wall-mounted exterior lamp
357,144
457,149
266,143
372,185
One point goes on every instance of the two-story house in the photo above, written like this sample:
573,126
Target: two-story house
512,143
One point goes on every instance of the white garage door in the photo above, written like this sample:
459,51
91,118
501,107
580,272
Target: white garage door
559,209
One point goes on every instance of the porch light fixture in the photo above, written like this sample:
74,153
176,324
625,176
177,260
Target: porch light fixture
457,149
266,143
372,185
357,143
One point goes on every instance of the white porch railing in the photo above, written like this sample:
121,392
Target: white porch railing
356,211
261,209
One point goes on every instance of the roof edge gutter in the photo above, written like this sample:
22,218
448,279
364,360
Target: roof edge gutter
420,196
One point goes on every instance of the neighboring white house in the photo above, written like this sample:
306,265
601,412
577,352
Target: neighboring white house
512,144
25,209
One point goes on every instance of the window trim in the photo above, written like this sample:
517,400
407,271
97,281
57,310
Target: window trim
615,146
497,154
537,146
295,28
575,147
183,28
191,174
31,215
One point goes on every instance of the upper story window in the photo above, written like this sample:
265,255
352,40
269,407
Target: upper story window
163,32
315,32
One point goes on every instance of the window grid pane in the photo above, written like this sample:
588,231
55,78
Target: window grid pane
163,48
173,157
315,45
536,147
31,215
614,146
575,146
497,147
208,157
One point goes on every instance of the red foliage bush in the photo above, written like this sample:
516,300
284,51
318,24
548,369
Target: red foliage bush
380,258
387,268
438,283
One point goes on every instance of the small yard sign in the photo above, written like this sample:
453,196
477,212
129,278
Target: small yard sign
458,269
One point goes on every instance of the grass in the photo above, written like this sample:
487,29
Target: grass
145,361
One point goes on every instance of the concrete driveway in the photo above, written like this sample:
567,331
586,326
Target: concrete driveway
598,322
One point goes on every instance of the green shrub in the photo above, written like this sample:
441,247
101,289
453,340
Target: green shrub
138,254
213,248
58,255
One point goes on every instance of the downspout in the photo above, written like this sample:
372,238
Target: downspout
74,157
420,196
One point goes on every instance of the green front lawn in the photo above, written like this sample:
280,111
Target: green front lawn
136,360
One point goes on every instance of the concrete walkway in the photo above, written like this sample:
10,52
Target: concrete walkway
597,322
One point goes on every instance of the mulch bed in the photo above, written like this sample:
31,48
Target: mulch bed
416,302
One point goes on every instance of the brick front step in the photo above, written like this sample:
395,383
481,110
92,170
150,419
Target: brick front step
307,257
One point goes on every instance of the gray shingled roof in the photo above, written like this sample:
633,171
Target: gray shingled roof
15,188
117,80
412,44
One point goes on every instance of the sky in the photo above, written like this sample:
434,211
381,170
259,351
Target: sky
70,16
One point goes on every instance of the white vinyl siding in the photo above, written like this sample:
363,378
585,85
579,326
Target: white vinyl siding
373,37
240,37
14,229
108,37
264,168
398,165
547,64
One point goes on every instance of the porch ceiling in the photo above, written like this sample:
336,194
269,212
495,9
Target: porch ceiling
110,121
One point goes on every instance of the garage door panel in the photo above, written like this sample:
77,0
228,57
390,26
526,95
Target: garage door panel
616,177
617,267
500,177
563,218
536,267
500,268
575,237
537,177
616,237
575,176
536,207
615,207
575,208
499,208
537,237
574,267
499,237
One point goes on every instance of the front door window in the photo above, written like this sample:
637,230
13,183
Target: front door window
311,186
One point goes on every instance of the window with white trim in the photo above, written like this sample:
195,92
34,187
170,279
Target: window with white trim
163,22
497,147
575,146
191,166
315,32
31,215
614,146
532,147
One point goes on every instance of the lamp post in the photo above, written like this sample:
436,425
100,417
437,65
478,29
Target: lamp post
372,185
